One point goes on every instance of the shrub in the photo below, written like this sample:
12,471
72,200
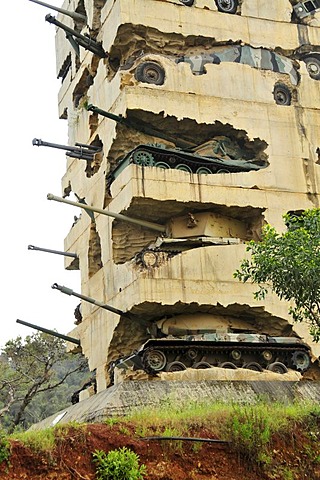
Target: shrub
121,464
249,430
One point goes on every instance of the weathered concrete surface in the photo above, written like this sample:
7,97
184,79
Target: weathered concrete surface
123,398
231,99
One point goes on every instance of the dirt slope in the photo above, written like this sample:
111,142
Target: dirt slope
72,457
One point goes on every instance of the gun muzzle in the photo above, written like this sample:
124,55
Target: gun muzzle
69,291
74,15
57,252
83,40
118,216
80,151
76,341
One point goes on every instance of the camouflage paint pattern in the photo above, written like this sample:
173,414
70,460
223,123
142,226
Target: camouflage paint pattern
254,57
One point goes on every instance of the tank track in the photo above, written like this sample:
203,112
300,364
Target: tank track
165,356
145,156
152,155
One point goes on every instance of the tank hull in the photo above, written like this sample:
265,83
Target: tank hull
171,158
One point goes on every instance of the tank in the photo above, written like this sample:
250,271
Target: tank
220,155
226,350
306,8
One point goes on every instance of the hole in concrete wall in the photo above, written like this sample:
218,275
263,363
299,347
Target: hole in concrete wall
195,133
304,11
130,334
96,18
229,6
236,143
94,251
93,123
128,239
131,241
85,82
282,94
133,40
94,165
66,66
82,87
295,214
81,9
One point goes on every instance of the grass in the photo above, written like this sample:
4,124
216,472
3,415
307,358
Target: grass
250,429
45,441
37,440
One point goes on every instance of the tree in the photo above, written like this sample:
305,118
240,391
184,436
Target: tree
36,365
289,264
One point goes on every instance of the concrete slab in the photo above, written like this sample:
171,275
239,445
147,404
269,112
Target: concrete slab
122,399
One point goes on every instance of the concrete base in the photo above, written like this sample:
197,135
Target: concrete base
123,398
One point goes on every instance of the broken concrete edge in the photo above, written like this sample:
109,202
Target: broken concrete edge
126,397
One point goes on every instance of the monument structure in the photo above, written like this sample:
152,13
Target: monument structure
196,122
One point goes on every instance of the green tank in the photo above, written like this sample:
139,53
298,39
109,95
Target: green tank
220,155
226,350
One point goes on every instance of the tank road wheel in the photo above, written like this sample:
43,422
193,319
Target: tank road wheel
192,354
203,171
162,165
300,360
277,367
282,94
313,67
201,365
236,354
154,360
253,366
175,367
150,72
266,355
227,6
183,167
143,158
227,365
188,3
223,170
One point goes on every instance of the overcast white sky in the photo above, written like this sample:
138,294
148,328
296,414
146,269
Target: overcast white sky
29,108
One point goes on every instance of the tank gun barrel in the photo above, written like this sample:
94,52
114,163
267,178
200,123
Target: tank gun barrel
56,252
81,150
68,291
76,341
84,41
118,216
143,127
74,15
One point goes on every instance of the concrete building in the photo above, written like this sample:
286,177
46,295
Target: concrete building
240,81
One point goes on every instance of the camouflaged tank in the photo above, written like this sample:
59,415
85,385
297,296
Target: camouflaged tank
226,350
219,155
